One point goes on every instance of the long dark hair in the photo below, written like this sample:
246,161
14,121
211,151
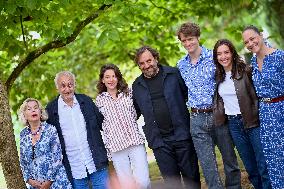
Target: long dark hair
238,65
122,86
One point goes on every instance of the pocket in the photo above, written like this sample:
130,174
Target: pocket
193,115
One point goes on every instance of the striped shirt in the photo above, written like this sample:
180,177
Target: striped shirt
120,128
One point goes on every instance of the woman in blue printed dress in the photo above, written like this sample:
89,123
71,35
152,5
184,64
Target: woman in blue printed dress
40,150
268,75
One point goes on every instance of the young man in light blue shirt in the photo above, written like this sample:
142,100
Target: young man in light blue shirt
197,70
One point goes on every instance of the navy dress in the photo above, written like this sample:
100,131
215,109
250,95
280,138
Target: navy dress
269,83
43,161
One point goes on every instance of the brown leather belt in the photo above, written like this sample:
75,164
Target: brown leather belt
271,100
196,110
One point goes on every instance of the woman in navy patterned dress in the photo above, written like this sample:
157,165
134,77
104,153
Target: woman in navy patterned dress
40,150
268,75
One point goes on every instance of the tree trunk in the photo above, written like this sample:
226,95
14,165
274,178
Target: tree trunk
8,150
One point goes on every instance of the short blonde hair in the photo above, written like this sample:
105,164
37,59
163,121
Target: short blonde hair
66,73
23,108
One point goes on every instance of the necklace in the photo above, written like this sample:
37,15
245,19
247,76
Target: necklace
36,132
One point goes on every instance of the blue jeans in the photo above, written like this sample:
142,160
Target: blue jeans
97,179
205,136
250,149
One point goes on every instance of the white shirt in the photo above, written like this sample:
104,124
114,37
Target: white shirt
228,93
74,132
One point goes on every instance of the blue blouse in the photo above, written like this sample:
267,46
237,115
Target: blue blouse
269,83
199,79
43,161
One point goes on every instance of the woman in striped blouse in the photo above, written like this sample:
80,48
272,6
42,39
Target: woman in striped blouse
122,137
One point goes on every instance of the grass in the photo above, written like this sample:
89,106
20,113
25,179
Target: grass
2,180
155,174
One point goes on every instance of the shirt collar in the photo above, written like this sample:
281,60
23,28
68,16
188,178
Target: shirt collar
108,95
253,61
203,54
63,104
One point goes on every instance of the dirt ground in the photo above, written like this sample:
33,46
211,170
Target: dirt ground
113,184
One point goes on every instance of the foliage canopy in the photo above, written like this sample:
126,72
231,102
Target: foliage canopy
112,37
38,38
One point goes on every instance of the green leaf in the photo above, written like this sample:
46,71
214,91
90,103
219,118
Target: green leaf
102,40
113,34
108,2
31,4
11,7
64,2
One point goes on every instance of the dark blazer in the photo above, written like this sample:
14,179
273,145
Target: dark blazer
247,99
93,119
175,92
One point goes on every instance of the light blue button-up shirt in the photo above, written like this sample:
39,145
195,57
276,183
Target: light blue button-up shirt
199,79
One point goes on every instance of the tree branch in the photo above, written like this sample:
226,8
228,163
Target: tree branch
23,33
52,45
161,7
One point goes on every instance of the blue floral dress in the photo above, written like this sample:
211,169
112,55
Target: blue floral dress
43,161
269,84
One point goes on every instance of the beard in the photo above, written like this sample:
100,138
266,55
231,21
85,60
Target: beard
151,71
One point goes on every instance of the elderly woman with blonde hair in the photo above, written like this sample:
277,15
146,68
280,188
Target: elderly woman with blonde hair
40,150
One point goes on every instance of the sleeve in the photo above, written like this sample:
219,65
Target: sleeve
282,62
248,70
137,109
182,86
49,109
281,72
98,102
56,153
97,106
24,158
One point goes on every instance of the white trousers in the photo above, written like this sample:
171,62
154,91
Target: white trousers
131,164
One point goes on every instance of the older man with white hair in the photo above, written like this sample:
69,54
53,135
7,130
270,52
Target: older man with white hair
78,123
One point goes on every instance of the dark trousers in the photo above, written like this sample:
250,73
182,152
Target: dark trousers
176,159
